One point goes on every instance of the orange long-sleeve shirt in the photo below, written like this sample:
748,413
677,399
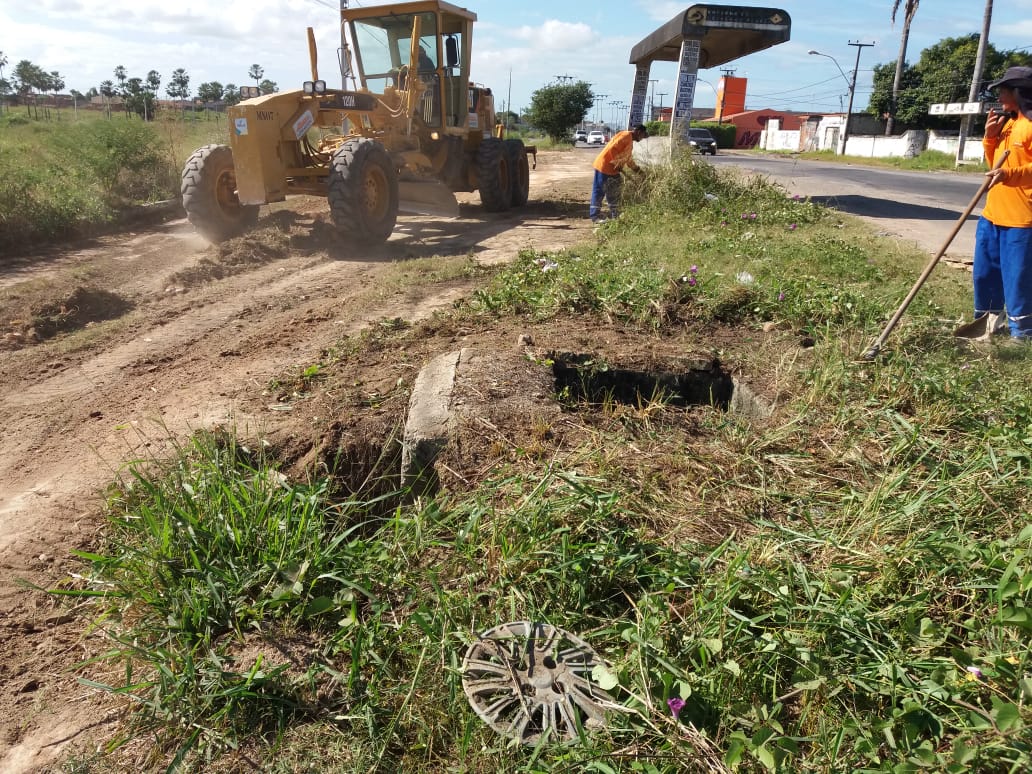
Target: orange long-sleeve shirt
1009,202
617,154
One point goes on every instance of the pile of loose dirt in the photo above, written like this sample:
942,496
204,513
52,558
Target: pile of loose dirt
236,256
31,322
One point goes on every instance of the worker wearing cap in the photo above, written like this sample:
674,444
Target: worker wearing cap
618,153
1002,274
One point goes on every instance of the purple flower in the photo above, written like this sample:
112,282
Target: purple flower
792,227
795,197
693,269
745,216
676,704
723,223
781,296
692,282
752,216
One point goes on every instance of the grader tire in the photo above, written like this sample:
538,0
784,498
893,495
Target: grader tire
363,191
210,198
519,172
493,172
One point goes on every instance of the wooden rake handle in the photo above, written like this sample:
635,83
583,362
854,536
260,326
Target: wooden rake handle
875,348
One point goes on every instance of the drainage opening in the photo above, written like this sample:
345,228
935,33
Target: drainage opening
586,378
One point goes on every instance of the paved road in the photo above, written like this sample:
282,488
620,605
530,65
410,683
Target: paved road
919,206
884,193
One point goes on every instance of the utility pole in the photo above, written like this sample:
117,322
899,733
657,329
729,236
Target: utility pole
852,92
652,99
976,79
661,95
725,74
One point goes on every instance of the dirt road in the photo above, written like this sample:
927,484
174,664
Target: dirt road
160,335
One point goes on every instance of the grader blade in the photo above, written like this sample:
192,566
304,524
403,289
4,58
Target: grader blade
427,197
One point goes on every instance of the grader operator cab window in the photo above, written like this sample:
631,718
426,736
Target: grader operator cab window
383,45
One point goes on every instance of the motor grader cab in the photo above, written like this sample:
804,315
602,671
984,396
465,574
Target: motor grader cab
407,130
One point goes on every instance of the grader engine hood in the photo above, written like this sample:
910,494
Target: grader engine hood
267,133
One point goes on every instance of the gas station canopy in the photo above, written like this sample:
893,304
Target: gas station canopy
726,32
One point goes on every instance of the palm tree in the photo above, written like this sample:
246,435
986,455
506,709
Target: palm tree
909,9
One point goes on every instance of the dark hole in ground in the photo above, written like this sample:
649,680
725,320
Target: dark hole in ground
584,378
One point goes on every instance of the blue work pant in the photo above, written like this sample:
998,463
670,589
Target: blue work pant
1002,274
608,187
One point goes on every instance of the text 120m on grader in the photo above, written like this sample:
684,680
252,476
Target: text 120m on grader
411,131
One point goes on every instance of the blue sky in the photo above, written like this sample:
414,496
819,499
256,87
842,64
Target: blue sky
529,41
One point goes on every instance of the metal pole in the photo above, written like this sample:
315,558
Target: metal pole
852,93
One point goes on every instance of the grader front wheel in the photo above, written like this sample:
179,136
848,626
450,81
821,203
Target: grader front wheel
209,195
363,191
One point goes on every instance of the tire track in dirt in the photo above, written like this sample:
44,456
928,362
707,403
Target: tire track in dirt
71,419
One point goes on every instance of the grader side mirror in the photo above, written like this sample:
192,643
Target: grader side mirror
451,52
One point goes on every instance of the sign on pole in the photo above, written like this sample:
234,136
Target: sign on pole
960,108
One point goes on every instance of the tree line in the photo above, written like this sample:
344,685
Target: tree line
941,74
138,94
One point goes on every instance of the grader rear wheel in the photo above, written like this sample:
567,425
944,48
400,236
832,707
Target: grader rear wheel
209,195
494,173
519,172
363,191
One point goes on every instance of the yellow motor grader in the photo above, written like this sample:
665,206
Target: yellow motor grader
410,131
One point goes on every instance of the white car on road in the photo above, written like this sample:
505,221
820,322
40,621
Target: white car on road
596,138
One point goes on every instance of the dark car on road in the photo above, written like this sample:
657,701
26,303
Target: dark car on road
702,141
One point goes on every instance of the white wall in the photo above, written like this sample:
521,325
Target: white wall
774,138
907,145
947,143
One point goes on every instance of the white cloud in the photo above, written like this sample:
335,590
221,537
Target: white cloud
555,35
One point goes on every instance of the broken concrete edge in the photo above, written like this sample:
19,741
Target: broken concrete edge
427,423
747,403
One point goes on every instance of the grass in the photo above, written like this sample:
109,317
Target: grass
864,605
75,174
926,161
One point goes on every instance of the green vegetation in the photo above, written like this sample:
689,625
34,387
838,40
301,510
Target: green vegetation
557,108
71,175
934,78
847,587
926,161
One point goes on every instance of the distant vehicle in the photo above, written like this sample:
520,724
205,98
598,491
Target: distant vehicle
702,141
580,136
596,138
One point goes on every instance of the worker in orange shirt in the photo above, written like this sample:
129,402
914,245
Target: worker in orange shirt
1002,275
617,154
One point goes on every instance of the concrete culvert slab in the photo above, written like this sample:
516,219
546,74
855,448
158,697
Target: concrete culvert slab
470,404
468,395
